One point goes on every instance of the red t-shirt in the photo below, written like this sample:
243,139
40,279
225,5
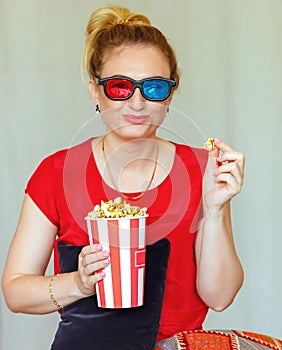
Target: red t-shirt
67,185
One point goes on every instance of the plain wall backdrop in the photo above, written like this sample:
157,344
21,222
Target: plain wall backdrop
230,55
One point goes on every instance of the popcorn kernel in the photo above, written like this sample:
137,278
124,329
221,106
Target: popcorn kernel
209,144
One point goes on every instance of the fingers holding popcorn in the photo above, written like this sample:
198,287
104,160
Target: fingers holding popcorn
228,171
232,168
229,184
91,262
228,154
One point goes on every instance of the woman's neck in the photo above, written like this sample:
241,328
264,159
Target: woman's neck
130,165
130,152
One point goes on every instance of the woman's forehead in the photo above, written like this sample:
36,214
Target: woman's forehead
136,60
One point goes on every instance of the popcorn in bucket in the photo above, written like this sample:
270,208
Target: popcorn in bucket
120,229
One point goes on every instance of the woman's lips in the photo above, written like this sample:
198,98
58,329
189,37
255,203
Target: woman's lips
135,119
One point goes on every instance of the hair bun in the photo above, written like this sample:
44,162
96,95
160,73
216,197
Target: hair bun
109,16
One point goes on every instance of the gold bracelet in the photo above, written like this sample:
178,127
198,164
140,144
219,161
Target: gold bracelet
51,294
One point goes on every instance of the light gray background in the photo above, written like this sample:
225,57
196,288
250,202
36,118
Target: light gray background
231,60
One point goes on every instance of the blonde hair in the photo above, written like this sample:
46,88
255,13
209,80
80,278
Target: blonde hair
112,28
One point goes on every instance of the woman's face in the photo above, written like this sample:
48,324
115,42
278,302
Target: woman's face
135,117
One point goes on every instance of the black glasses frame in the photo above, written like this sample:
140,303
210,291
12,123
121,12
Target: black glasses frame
136,84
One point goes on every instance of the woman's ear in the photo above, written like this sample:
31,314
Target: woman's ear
92,86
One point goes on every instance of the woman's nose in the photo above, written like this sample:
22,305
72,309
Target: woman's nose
137,100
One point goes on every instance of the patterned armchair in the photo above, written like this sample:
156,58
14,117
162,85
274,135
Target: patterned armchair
219,340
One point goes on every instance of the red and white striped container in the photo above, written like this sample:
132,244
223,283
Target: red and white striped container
124,238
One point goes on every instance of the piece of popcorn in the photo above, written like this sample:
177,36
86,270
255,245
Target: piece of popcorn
117,208
209,144
118,200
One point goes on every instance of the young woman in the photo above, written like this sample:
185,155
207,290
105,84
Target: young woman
192,263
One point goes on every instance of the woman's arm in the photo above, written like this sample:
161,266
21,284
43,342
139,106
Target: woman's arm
219,271
25,287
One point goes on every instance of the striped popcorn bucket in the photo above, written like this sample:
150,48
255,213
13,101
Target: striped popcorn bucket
124,238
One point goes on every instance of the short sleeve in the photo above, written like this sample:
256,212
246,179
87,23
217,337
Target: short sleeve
198,165
42,189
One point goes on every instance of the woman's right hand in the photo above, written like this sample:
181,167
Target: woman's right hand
91,263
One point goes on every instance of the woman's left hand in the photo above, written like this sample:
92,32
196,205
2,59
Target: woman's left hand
224,175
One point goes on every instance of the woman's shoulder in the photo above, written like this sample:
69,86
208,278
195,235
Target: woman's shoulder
52,169
191,153
57,159
187,148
